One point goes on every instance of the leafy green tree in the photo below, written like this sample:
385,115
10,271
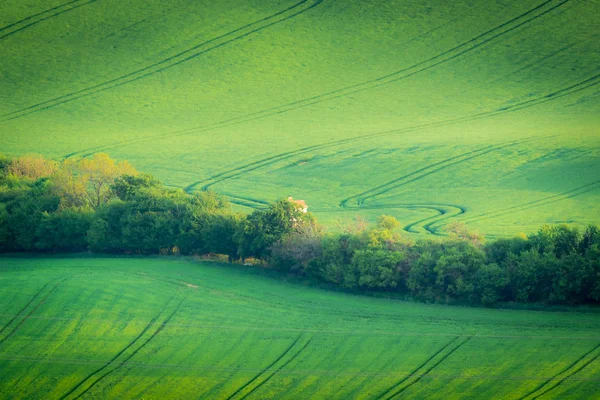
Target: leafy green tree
296,251
218,232
126,187
455,268
32,167
263,228
378,268
23,214
489,284
387,222
64,231
88,181
106,231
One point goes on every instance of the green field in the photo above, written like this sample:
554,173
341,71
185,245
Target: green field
482,112
156,328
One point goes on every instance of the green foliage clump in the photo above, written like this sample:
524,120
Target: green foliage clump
105,206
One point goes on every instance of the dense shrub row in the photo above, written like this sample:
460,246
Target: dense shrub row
99,205
558,264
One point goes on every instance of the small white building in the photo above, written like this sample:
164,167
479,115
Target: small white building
300,203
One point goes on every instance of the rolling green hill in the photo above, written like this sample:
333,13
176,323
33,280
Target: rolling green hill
482,112
166,328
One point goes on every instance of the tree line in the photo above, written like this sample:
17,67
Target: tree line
97,204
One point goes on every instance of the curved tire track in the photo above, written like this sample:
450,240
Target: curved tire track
404,73
565,370
44,18
421,376
240,170
397,388
120,353
37,306
20,313
278,369
169,62
429,170
254,378
536,203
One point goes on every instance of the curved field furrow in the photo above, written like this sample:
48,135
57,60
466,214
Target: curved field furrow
443,211
570,372
413,372
91,375
20,312
429,369
169,62
426,171
416,375
33,310
266,369
282,366
124,361
238,171
42,19
245,201
566,370
23,20
220,340
114,364
414,69
536,203
370,192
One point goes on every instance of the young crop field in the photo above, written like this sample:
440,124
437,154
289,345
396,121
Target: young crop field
150,328
486,113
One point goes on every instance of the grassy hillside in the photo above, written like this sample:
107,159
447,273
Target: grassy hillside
157,328
482,112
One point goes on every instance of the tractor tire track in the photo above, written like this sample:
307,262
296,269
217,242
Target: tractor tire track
285,352
570,366
246,201
421,376
407,72
240,170
37,306
20,313
414,371
112,360
536,203
428,227
359,87
37,15
168,62
42,19
278,369
478,153
122,363
360,199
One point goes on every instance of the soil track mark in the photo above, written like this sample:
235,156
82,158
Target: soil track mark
33,310
114,364
32,20
172,61
441,58
20,313
536,203
278,369
414,371
256,377
445,211
431,169
570,370
264,162
398,388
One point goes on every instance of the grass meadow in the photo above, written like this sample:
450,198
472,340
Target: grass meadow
433,112
149,328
